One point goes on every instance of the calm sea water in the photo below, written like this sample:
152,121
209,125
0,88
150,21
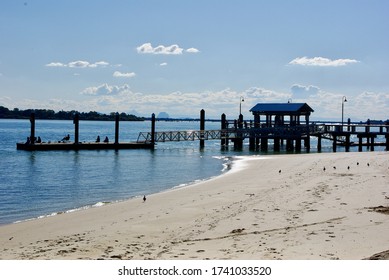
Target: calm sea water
35,184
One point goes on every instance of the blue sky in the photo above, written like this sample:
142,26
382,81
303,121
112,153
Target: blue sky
184,56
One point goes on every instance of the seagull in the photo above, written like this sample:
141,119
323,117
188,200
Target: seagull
144,198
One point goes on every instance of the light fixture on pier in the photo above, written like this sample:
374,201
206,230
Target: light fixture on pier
344,99
240,105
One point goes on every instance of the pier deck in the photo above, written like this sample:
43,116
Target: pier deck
83,146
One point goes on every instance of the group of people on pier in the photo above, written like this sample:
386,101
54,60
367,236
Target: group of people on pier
106,140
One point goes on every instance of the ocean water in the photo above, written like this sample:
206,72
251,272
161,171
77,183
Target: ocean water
37,184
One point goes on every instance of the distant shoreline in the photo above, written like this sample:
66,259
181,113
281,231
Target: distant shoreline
45,114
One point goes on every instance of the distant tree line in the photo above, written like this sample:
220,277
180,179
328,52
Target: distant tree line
45,114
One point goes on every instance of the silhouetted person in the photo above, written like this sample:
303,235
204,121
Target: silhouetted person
39,140
106,140
28,141
98,139
144,198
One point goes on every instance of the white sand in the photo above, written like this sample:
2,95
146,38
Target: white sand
252,212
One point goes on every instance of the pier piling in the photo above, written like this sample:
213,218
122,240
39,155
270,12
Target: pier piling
32,133
202,127
76,121
153,129
117,128
223,126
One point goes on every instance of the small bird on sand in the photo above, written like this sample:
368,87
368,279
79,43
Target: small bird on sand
348,167
334,167
357,163
368,164
144,198
279,171
324,168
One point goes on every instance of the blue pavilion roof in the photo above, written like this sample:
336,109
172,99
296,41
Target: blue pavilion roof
281,108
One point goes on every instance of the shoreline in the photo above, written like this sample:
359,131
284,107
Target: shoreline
253,211
226,167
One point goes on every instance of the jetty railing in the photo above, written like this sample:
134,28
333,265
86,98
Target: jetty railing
230,133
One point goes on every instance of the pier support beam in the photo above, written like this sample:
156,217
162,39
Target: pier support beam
202,127
76,122
319,143
276,144
238,143
334,143
153,129
289,145
223,126
347,145
252,141
298,144
387,142
264,144
360,143
32,132
117,128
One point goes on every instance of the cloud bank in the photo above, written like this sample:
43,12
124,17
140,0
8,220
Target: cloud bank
118,74
112,98
174,49
322,61
78,64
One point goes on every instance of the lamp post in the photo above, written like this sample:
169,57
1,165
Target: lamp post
344,99
240,105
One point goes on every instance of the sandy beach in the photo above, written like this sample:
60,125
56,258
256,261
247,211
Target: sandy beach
294,207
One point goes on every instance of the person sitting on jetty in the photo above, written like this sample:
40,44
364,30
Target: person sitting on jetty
28,141
66,138
39,140
98,139
106,140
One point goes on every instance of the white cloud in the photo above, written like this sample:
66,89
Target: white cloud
105,89
304,90
163,64
100,63
111,98
147,48
321,61
192,50
78,64
56,64
181,103
118,74
174,49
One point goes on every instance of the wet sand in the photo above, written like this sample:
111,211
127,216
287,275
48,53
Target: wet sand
273,207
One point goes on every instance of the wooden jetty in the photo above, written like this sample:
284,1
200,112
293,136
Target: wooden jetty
275,123
280,124
32,145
